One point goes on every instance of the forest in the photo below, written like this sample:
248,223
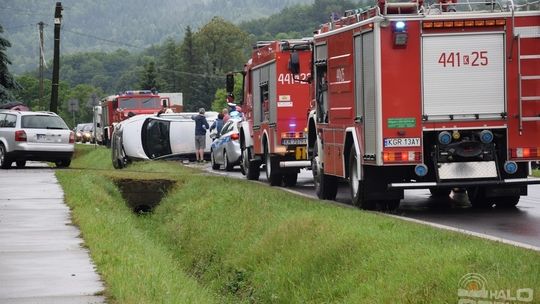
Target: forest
195,65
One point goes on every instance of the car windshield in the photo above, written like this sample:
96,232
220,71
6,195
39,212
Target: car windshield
151,103
42,122
139,102
88,128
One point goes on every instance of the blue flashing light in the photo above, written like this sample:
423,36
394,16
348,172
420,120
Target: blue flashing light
510,167
445,137
421,170
400,26
486,136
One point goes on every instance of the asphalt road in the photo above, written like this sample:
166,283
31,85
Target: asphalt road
521,224
41,258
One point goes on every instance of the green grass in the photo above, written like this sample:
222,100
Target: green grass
214,239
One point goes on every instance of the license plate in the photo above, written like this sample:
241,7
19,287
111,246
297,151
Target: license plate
42,137
293,141
402,142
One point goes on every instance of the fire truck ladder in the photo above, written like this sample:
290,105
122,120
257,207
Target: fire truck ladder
534,33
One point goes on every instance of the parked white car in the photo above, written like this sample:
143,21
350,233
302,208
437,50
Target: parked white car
39,136
144,137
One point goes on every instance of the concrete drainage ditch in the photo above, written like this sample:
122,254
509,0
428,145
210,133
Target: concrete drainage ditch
143,195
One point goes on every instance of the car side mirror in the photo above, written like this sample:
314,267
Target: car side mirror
214,136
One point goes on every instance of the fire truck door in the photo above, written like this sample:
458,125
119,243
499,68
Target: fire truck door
463,75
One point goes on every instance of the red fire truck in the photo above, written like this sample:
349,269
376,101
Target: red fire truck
116,108
276,106
436,97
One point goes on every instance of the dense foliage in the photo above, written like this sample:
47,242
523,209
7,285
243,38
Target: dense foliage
195,66
7,82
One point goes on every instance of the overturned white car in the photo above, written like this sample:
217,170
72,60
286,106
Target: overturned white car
168,135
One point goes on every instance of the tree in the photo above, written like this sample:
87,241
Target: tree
190,70
169,66
7,81
148,78
222,48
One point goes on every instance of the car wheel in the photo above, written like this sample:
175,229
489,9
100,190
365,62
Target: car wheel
436,192
252,168
478,199
326,186
63,163
273,176
226,163
20,163
290,179
5,162
358,187
507,201
215,166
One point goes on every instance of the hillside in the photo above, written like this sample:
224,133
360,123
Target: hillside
108,25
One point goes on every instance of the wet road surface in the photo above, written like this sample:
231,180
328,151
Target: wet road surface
41,258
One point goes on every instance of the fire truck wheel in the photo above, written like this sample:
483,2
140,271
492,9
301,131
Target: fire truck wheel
252,168
326,186
507,201
215,166
478,198
290,179
226,163
273,176
357,186
438,192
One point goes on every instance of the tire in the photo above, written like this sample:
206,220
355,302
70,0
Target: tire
478,199
226,163
440,192
326,186
119,159
290,179
507,201
251,168
357,186
215,166
5,162
20,164
63,163
272,174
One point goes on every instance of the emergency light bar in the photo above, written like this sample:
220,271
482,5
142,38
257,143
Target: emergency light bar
462,23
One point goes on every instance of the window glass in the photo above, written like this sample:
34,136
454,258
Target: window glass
226,128
2,117
10,121
42,122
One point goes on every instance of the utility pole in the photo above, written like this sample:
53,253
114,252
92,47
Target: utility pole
56,60
41,63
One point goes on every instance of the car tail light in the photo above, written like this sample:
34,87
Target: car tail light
402,156
20,135
71,137
533,152
235,136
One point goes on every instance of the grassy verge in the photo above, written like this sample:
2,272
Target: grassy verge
214,239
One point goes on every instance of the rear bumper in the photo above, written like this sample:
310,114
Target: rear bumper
39,155
461,184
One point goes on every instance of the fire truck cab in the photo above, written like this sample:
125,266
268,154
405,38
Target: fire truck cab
437,97
276,105
116,108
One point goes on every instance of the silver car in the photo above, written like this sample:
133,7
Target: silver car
225,149
40,136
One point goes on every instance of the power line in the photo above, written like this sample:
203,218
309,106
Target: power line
103,39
